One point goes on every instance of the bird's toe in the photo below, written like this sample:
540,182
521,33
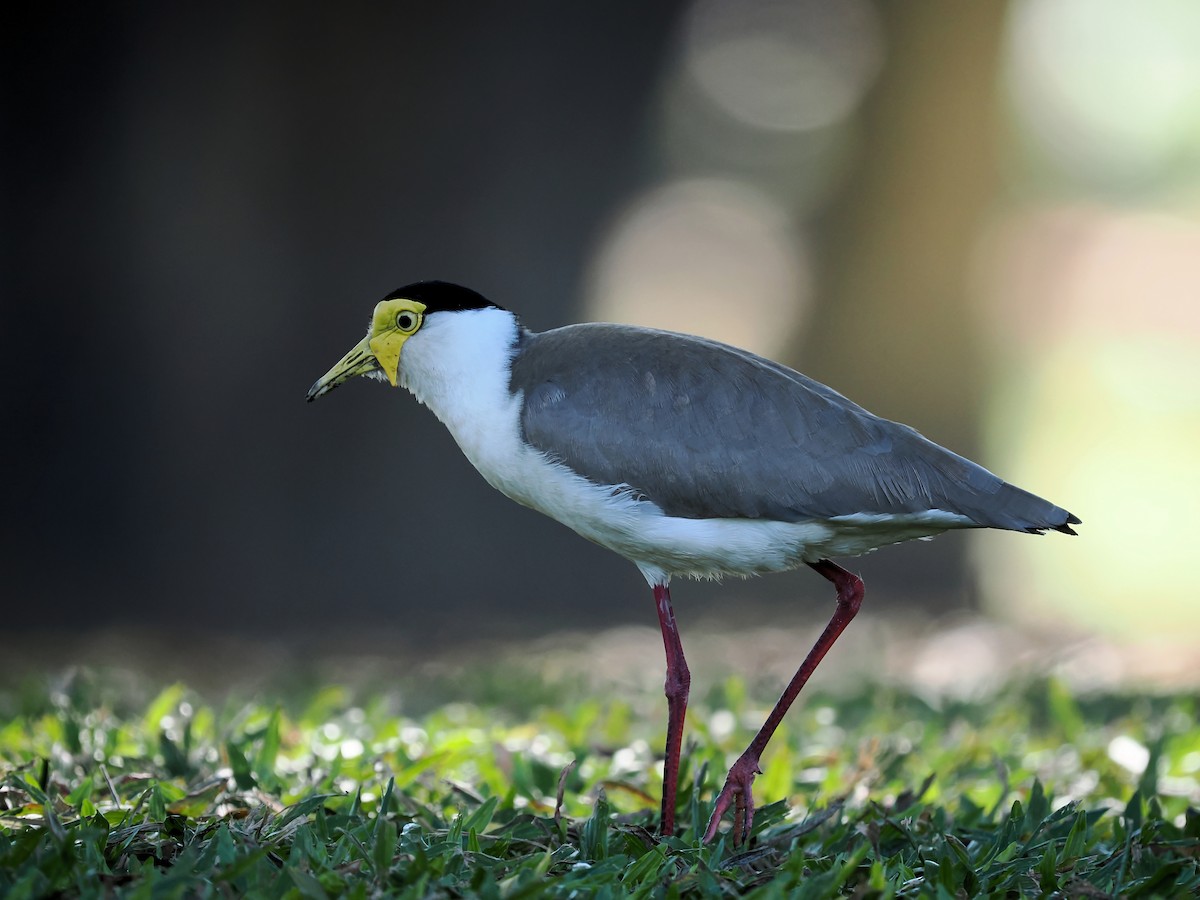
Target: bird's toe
738,792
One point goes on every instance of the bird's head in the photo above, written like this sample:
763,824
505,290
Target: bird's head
397,317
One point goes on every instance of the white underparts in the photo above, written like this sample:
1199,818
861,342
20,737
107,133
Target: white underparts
458,365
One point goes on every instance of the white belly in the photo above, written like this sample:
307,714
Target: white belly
663,546
458,366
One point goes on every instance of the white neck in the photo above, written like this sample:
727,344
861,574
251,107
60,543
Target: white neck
458,366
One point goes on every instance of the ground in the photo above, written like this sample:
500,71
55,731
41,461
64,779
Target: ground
526,774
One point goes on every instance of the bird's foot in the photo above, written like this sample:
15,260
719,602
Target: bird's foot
737,792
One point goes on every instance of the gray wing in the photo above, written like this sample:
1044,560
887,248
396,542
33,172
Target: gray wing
706,430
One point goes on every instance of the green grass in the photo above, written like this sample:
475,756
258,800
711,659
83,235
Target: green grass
110,789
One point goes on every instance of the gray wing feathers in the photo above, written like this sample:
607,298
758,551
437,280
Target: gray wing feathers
706,430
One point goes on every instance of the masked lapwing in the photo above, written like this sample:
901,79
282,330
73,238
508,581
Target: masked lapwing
686,456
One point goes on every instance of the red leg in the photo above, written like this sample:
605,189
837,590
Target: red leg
678,682
741,773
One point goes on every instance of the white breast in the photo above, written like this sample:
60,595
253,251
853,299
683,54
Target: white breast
458,365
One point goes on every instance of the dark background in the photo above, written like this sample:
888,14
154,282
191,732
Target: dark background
202,203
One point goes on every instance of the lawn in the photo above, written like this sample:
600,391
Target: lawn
498,781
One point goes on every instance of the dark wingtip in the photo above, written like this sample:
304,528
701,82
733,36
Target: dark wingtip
1066,528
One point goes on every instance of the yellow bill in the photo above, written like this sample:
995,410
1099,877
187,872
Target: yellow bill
393,323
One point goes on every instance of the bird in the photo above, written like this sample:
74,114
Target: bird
686,456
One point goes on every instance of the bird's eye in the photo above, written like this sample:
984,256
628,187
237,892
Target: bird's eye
407,321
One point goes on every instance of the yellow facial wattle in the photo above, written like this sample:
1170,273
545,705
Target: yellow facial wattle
393,322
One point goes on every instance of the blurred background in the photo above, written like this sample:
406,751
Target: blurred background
981,219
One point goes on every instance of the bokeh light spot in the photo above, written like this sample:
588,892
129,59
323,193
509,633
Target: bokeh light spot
1098,397
777,65
1106,90
712,257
